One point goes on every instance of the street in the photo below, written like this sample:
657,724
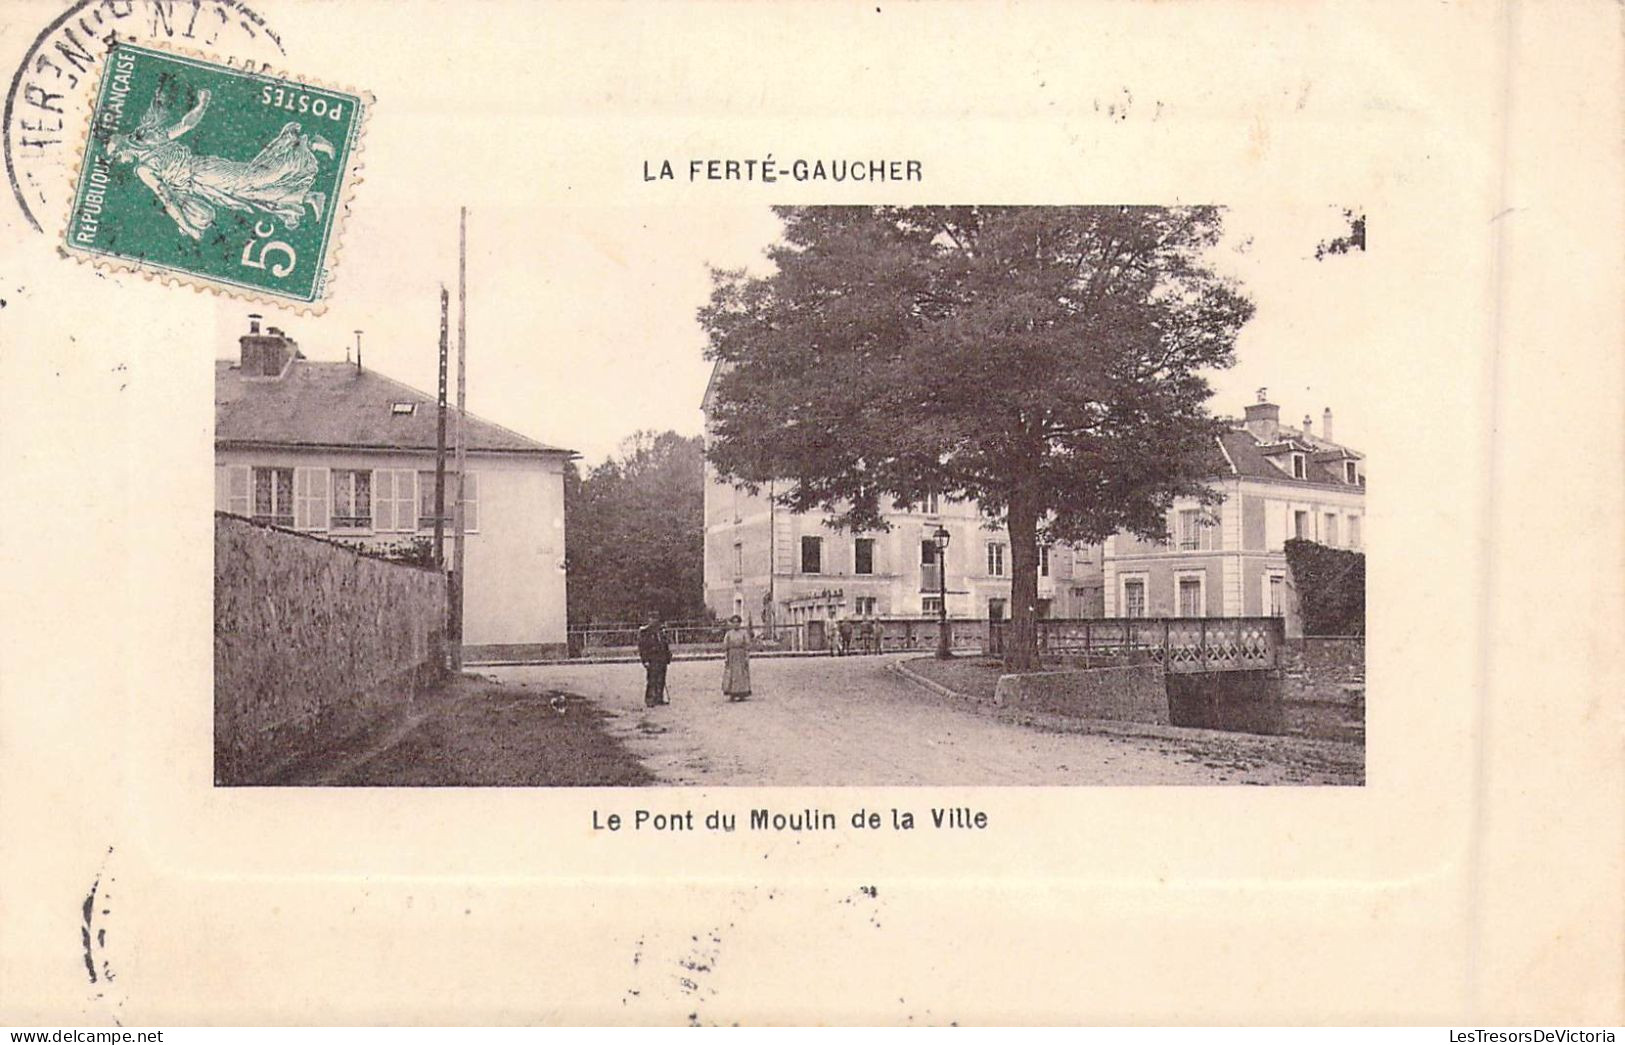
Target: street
825,721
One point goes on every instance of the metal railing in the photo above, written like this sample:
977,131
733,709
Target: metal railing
869,635
1179,644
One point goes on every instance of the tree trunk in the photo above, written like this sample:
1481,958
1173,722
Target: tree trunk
1021,641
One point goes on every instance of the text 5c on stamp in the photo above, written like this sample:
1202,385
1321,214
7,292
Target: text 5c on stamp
219,176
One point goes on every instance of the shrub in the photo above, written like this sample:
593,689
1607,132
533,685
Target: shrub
1331,587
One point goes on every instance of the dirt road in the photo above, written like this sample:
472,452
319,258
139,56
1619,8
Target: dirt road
853,721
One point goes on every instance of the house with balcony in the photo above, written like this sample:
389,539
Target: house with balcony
1227,560
332,449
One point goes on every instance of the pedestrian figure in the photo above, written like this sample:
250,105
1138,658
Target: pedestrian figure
655,652
844,630
736,665
866,636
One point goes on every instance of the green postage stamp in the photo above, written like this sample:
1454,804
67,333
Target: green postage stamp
224,177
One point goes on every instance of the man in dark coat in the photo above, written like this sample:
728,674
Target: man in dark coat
655,652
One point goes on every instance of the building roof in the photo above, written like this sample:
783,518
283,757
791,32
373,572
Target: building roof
339,405
1323,466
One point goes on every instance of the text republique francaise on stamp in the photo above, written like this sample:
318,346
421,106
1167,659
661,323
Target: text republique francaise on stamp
229,178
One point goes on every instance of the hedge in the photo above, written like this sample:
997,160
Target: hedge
1331,587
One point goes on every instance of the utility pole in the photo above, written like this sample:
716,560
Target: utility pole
440,448
462,456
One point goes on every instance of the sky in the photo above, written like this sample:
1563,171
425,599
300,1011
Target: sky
581,319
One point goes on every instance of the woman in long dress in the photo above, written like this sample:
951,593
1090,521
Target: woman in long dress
736,666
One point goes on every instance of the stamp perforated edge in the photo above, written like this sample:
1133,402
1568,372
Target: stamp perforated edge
350,176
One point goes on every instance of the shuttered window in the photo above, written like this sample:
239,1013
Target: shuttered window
394,500
233,495
310,502
471,501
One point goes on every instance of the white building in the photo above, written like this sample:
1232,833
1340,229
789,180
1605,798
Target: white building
347,453
1228,561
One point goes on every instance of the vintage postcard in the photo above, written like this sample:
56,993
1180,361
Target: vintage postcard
811,514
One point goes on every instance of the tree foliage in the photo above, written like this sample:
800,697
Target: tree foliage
1353,239
635,532
1044,361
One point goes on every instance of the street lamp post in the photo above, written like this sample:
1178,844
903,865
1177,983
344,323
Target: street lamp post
944,641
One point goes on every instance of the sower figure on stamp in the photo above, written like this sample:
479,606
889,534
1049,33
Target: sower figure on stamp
736,666
655,652
193,187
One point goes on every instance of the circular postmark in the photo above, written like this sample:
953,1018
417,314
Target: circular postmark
53,89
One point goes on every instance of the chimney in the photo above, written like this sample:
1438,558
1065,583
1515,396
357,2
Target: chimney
1326,424
267,354
1263,419
1308,425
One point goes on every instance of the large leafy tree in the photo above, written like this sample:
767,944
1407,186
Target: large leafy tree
1044,361
636,532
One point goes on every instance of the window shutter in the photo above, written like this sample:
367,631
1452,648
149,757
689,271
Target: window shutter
310,498
301,498
383,500
406,500
237,499
471,503
320,479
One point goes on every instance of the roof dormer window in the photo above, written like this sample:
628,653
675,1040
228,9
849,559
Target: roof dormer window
1351,472
1298,466
403,408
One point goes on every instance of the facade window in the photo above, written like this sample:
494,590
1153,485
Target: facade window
739,560
273,496
1354,531
471,501
1351,472
1043,560
394,500
1042,609
931,605
1297,466
865,605
1190,529
1275,595
995,609
812,555
863,555
352,500
929,579
931,505
1300,526
1133,596
1330,533
1189,595
995,559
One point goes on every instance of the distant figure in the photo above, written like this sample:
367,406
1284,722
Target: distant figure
868,635
655,652
736,666
844,631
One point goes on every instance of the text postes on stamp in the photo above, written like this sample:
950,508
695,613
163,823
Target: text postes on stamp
225,177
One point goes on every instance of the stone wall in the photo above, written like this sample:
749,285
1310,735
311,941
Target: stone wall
1329,670
1236,701
1123,694
312,641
